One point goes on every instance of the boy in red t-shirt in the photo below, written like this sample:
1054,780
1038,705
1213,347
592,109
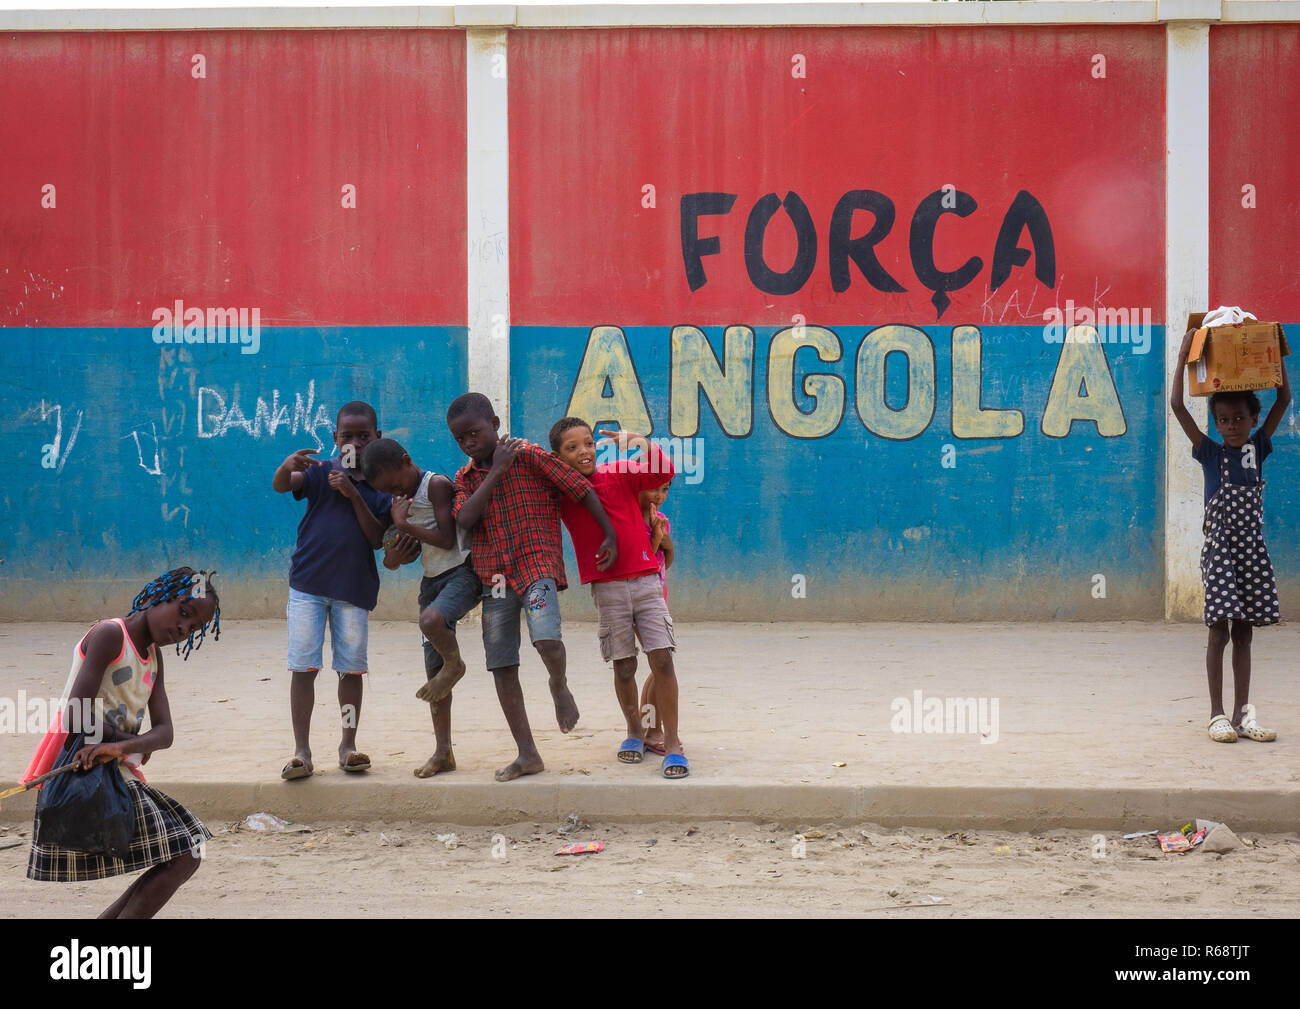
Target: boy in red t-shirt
628,594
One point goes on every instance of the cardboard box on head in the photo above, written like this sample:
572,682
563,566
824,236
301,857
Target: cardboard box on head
1234,358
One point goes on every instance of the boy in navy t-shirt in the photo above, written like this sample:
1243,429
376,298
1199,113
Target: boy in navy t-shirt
332,578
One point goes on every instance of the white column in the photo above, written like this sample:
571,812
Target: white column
488,233
1187,289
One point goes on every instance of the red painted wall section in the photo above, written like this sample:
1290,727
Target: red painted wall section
1254,82
598,114
227,190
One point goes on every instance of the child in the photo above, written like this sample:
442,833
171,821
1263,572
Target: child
118,662
449,589
332,577
656,523
1239,586
661,543
628,594
503,495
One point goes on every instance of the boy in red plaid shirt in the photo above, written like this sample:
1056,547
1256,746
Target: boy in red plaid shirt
503,495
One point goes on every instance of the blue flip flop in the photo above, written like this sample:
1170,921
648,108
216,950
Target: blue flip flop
676,760
631,751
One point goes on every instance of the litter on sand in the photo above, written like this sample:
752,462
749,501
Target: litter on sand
1141,833
269,821
450,840
573,825
582,848
1181,841
1221,839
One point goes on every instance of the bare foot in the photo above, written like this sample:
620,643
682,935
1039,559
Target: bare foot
437,763
440,686
519,768
566,708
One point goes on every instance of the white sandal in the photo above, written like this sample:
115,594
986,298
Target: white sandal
1251,729
1221,730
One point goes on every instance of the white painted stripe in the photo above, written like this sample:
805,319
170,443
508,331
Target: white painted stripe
227,17
1190,10
1260,11
605,15
488,218
902,13
1187,290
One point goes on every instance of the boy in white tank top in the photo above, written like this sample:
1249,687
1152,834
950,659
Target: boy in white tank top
422,521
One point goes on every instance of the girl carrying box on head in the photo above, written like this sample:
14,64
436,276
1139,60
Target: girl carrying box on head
1240,590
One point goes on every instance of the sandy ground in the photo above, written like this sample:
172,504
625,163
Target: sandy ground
1078,704
710,869
766,707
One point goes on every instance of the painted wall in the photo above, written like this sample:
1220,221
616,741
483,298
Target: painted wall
816,259
885,429
1254,216
219,182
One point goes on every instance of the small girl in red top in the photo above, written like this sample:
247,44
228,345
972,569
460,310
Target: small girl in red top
656,522
661,542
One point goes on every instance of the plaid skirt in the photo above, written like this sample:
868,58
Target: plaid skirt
164,830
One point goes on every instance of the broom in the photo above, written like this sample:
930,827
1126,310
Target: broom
19,789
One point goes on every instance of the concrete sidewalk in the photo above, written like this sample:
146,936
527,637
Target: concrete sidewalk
1097,726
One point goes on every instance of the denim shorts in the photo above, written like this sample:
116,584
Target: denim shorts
349,631
453,593
501,620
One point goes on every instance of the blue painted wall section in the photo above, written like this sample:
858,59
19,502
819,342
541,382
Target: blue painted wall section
130,457
929,523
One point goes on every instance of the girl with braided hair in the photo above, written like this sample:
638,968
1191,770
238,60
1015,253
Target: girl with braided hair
118,663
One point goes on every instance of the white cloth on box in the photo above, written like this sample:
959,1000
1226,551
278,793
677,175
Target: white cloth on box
1226,315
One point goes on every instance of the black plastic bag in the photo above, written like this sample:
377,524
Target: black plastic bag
90,811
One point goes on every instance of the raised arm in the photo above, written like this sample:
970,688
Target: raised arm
504,455
440,496
660,540
370,526
288,477
1176,404
1280,404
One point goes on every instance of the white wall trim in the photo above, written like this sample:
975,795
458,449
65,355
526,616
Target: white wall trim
487,191
1187,290
905,12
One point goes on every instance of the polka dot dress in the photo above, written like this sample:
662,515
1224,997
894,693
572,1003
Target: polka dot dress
1235,569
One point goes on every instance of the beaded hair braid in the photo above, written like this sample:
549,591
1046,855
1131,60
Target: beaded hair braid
182,583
